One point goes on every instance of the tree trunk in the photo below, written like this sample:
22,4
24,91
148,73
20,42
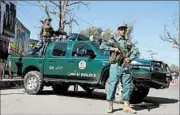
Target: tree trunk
63,7
60,14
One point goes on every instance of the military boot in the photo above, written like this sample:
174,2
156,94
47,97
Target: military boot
110,107
127,108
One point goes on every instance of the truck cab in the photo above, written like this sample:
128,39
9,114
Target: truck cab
74,61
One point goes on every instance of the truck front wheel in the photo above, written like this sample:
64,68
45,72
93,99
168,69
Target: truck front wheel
33,83
137,94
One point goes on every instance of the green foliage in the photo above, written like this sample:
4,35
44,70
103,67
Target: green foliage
107,34
128,35
129,31
95,31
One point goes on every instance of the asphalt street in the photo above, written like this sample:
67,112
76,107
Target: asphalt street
16,101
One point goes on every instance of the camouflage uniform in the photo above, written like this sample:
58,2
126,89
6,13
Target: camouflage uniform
46,33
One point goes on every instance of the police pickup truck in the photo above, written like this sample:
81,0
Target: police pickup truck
61,64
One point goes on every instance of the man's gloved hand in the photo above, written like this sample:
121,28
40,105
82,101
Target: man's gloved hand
127,60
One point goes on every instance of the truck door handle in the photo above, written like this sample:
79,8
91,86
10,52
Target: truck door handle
71,61
51,60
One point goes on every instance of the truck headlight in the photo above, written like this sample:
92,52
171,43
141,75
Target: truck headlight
135,63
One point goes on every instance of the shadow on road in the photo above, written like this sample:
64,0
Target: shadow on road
160,100
119,109
79,94
150,103
11,93
102,96
17,87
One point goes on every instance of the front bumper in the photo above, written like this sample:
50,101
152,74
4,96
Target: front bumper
155,75
152,79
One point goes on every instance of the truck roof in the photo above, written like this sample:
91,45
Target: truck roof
78,37
68,42
74,38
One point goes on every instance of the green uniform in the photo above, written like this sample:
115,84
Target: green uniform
117,72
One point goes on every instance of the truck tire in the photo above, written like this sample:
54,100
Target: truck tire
60,88
33,82
139,94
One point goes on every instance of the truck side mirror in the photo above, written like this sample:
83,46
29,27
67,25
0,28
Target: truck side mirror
81,52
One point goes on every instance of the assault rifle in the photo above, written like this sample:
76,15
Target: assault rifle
121,60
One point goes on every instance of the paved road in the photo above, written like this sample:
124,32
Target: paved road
16,101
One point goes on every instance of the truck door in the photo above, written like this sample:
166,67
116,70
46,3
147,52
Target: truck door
80,66
55,62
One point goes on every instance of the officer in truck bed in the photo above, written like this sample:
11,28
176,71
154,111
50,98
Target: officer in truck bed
47,31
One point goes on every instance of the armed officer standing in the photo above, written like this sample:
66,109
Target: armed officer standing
47,31
119,71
